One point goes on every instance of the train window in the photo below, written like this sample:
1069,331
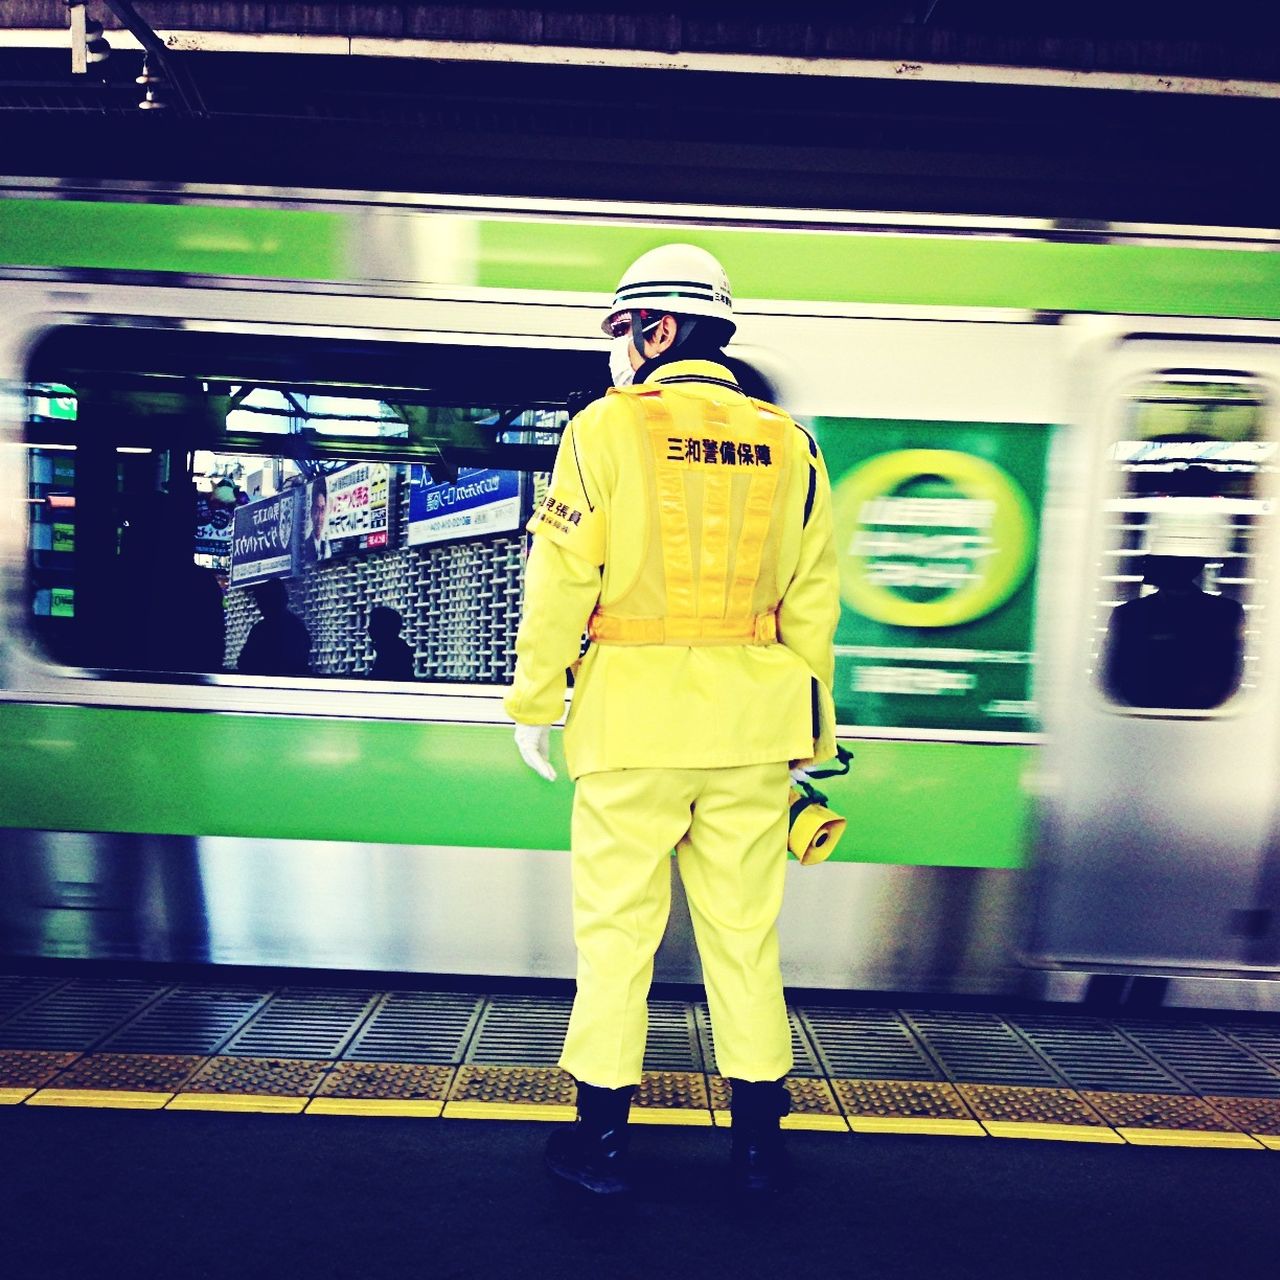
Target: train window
216,504
1178,619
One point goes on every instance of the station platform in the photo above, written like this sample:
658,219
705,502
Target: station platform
1175,1079
162,1125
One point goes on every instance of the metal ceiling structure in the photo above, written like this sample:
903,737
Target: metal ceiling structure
1137,111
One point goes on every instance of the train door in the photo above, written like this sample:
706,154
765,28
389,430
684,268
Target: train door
1157,851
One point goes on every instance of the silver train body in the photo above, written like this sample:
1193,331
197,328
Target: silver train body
1150,834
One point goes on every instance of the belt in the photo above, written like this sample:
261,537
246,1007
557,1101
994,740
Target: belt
760,628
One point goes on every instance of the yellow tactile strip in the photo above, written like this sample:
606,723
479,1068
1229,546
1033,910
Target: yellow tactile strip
1259,1117
146,1071
671,1097
510,1093
905,1106
813,1105
142,1081
1168,1120
1026,1111
251,1084
23,1071
383,1088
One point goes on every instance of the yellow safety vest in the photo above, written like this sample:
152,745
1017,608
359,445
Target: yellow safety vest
688,528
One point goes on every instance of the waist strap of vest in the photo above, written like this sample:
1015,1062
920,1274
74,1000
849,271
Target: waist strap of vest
760,628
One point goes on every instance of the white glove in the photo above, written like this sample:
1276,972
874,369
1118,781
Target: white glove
799,775
533,741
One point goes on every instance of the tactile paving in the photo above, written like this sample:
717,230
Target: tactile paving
1159,1118
1257,1116
511,1093
145,1072
813,1105
417,1026
386,1080
905,1106
254,1084
383,1088
671,1097
1019,1111
866,1043
22,1071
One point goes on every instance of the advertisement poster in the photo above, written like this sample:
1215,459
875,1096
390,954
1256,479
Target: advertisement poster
936,527
479,502
348,510
265,537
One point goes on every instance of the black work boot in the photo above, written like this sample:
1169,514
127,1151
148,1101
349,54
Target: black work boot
592,1152
757,1161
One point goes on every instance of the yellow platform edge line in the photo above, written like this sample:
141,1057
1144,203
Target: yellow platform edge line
936,1125
1189,1138
557,1112
11,1097
125,1099
1267,1140
424,1107
1048,1132
267,1102
695,1117
816,1121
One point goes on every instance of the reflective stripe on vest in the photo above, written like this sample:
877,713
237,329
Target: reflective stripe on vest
713,605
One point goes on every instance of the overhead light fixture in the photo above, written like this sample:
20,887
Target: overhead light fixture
152,83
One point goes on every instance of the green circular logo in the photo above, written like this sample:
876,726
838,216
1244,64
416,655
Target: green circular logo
930,537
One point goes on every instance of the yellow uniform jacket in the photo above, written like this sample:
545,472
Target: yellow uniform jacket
687,529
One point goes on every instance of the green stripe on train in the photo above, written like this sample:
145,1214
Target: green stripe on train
282,244
544,254
184,773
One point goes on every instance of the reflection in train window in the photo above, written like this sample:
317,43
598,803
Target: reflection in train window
366,524
1179,620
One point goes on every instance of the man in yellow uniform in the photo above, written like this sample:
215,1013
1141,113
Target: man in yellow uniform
687,530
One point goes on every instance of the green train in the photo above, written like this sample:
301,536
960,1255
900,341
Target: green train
355,398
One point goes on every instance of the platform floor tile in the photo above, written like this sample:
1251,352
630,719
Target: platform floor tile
1172,1120
22,1071
1258,1117
1033,1111
139,1081
906,1106
510,1093
813,1105
672,1097
251,1084
383,1088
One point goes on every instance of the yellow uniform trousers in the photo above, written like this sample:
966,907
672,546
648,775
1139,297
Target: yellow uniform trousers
728,828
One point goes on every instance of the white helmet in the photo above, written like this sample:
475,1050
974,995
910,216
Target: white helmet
675,279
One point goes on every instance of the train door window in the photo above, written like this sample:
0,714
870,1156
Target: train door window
1178,618
206,504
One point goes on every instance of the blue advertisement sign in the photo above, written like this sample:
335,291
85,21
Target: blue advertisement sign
265,539
479,502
